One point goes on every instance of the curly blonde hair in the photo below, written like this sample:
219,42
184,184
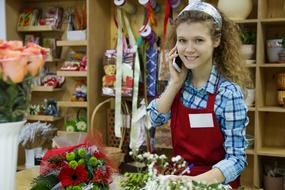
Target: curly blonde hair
227,56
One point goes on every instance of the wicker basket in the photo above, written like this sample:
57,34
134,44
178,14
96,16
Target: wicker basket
280,77
114,153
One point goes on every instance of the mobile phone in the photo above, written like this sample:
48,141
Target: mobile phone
177,63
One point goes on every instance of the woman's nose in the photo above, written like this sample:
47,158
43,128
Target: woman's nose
190,48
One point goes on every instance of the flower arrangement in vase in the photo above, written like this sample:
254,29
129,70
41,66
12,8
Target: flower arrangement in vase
18,65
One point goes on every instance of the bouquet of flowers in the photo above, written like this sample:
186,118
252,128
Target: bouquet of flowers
18,65
156,175
80,167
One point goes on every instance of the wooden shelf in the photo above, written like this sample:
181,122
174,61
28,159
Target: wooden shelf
59,133
271,109
71,104
72,73
270,151
43,118
72,43
247,21
273,65
163,147
273,21
249,151
53,60
251,108
37,29
45,89
250,65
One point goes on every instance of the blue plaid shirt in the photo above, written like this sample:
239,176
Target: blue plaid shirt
231,114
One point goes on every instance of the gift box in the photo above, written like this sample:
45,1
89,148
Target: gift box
76,35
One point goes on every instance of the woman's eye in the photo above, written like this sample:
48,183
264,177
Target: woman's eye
199,41
181,40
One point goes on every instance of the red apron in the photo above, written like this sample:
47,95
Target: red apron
201,146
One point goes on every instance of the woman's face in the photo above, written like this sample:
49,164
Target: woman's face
195,45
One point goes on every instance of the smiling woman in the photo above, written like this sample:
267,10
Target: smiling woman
205,100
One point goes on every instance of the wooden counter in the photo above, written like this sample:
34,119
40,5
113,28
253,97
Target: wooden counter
25,177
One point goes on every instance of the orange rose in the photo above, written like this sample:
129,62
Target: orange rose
13,70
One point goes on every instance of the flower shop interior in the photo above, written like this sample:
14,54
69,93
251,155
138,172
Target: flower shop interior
91,48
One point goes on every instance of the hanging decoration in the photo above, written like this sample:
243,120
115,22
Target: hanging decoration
126,6
118,85
154,5
151,60
175,3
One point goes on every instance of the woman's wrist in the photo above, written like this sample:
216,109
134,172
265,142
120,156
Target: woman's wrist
175,84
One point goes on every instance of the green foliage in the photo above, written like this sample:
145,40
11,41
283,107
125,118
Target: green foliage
248,37
134,181
44,182
203,186
14,100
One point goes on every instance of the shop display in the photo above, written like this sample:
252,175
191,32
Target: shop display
157,171
74,167
75,61
80,92
109,79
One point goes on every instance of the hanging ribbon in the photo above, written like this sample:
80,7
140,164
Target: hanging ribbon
119,62
134,129
166,17
151,70
129,8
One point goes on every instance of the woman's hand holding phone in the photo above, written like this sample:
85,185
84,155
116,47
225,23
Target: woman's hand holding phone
178,71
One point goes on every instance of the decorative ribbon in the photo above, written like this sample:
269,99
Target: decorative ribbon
151,72
129,8
175,3
119,62
134,130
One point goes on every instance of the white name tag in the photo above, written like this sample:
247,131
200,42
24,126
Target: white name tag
201,120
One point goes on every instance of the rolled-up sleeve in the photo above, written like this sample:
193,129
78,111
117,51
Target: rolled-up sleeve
156,118
233,124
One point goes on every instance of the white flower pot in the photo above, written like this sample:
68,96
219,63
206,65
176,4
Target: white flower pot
9,151
248,51
274,47
235,9
250,99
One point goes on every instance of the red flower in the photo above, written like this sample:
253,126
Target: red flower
69,176
99,154
102,175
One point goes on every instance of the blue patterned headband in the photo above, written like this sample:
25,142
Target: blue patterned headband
197,5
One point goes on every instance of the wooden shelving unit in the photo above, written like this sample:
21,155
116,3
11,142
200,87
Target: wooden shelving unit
72,73
98,40
271,109
43,118
266,119
54,60
45,89
72,43
44,28
72,104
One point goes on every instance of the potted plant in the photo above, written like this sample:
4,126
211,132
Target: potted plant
274,177
18,65
248,39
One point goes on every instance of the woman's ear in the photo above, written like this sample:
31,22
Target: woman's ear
217,41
